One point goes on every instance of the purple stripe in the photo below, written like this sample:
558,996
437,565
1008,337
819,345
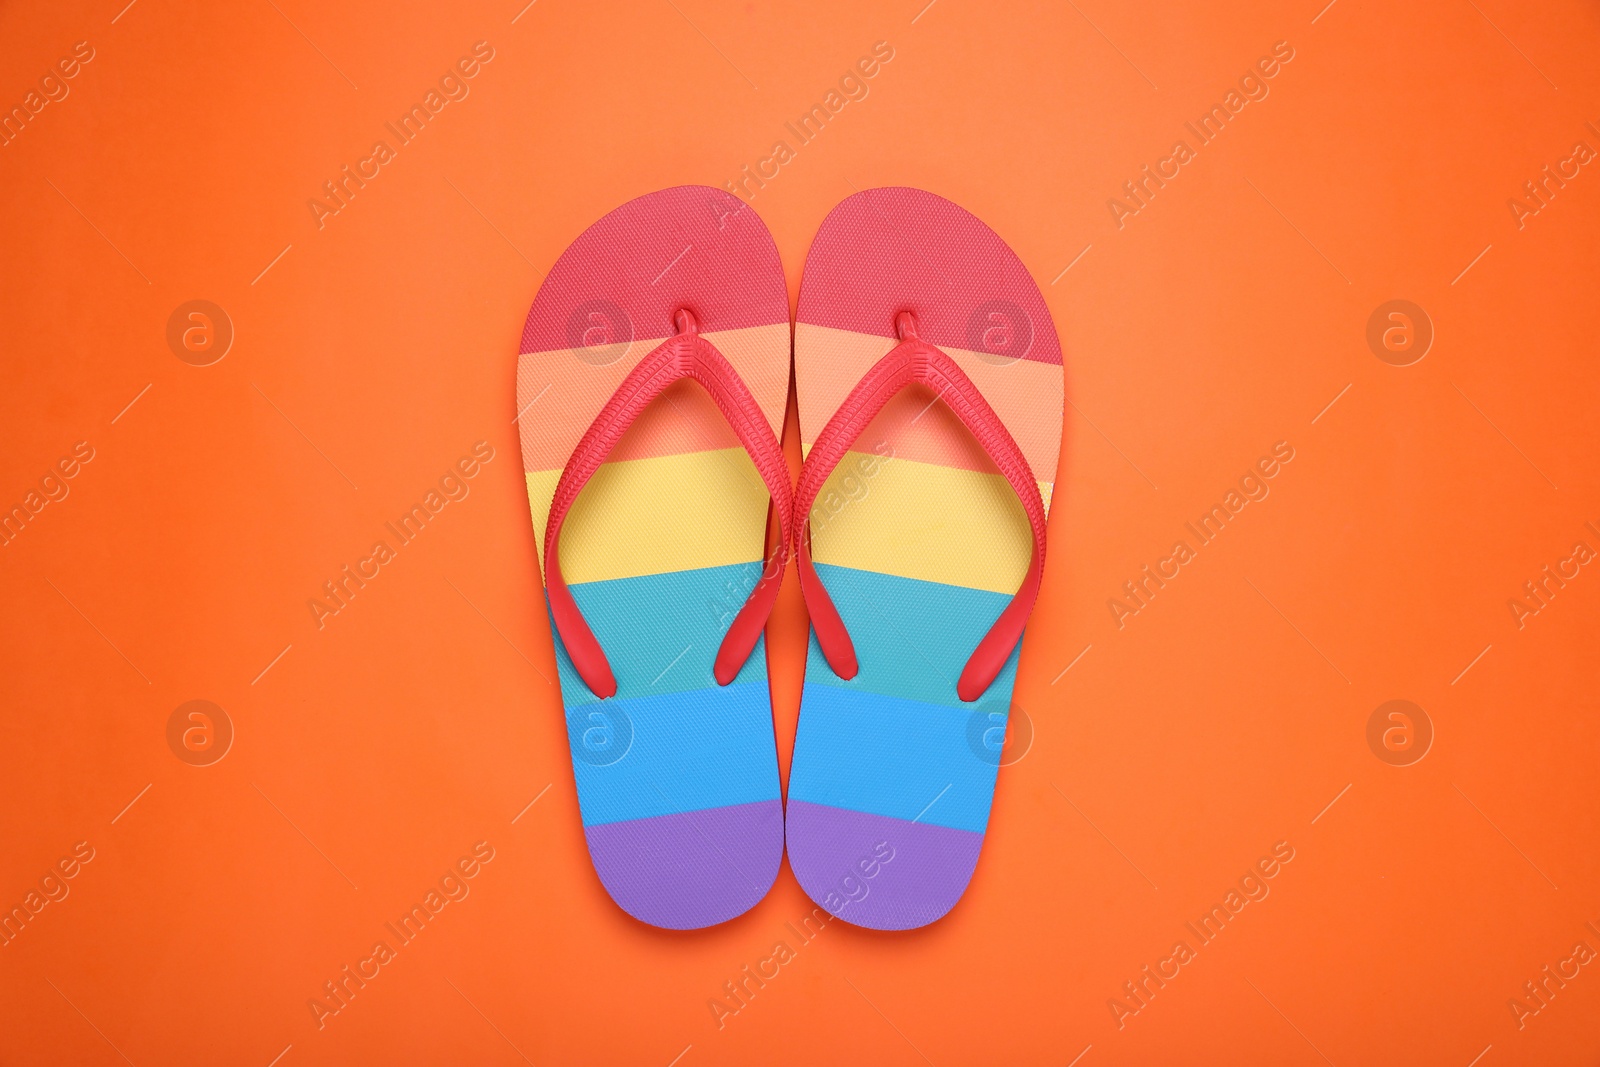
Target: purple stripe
690,870
878,872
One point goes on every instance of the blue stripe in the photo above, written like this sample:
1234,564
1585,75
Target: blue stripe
901,758
896,740
645,624
912,638
673,752
671,740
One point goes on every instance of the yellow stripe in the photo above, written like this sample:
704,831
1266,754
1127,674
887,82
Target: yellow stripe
1046,489
920,520
653,516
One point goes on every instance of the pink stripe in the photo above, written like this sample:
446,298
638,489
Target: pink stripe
895,249
689,247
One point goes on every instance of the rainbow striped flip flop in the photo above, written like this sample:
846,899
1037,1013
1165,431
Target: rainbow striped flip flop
929,379
651,391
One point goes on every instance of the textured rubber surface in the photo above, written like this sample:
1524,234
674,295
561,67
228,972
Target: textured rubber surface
920,542
676,775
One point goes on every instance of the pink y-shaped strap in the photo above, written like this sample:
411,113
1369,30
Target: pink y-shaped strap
686,355
916,361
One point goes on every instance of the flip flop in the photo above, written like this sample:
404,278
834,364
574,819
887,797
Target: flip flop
929,380
650,393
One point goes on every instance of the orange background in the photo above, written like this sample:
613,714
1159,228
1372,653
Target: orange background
1224,717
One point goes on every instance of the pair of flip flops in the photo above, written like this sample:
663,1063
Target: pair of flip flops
651,393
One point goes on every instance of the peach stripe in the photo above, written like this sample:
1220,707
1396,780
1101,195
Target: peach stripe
563,394
1027,395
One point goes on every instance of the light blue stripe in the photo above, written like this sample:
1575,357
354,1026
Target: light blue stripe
896,740
661,632
912,638
671,740
673,752
901,758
